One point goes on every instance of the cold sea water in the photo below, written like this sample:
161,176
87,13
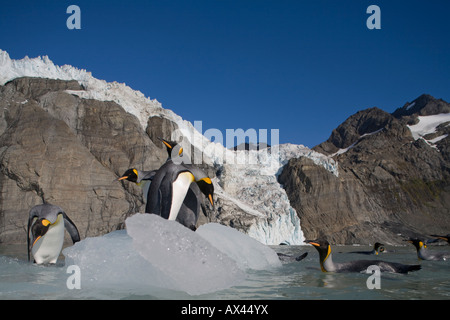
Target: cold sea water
20,279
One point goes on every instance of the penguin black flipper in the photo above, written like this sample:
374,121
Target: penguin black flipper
30,238
289,258
301,257
190,209
71,228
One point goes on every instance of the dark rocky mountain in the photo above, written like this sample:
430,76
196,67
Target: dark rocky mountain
390,185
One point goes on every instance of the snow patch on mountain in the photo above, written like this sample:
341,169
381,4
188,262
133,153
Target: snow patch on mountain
250,178
428,124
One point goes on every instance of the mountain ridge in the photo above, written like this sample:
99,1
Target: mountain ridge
394,176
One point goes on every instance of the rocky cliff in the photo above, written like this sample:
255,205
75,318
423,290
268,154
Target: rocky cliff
66,150
393,182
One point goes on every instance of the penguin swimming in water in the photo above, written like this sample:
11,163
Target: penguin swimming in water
377,248
424,254
445,238
46,224
327,264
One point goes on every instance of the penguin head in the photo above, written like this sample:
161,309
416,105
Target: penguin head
419,244
171,146
324,249
40,228
42,225
130,175
206,186
378,247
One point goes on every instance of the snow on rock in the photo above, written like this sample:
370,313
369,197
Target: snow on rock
251,176
428,124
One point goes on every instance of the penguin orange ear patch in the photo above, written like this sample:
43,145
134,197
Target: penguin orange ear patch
207,180
45,222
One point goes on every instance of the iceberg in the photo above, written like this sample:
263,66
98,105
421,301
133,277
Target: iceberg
188,260
246,251
154,254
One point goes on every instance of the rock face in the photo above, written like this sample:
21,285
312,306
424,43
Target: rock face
390,185
59,148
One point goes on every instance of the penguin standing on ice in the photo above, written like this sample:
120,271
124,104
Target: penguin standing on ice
171,194
171,185
46,224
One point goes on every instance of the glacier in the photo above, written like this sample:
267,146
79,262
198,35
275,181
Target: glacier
259,194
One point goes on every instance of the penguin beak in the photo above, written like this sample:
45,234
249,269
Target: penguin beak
315,244
122,178
211,199
45,223
167,145
36,240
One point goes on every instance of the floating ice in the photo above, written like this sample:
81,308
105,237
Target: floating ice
246,251
110,261
189,261
155,253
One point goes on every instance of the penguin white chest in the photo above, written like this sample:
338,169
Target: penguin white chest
179,190
48,247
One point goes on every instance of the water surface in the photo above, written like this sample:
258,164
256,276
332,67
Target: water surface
295,280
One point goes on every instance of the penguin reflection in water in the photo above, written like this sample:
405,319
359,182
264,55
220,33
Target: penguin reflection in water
46,224
327,264
172,193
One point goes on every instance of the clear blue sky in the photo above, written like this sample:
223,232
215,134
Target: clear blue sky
302,67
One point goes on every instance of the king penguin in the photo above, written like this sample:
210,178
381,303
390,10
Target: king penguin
172,194
327,264
445,238
424,254
46,224
171,184
377,248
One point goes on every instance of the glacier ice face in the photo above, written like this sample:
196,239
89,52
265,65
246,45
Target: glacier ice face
252,185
